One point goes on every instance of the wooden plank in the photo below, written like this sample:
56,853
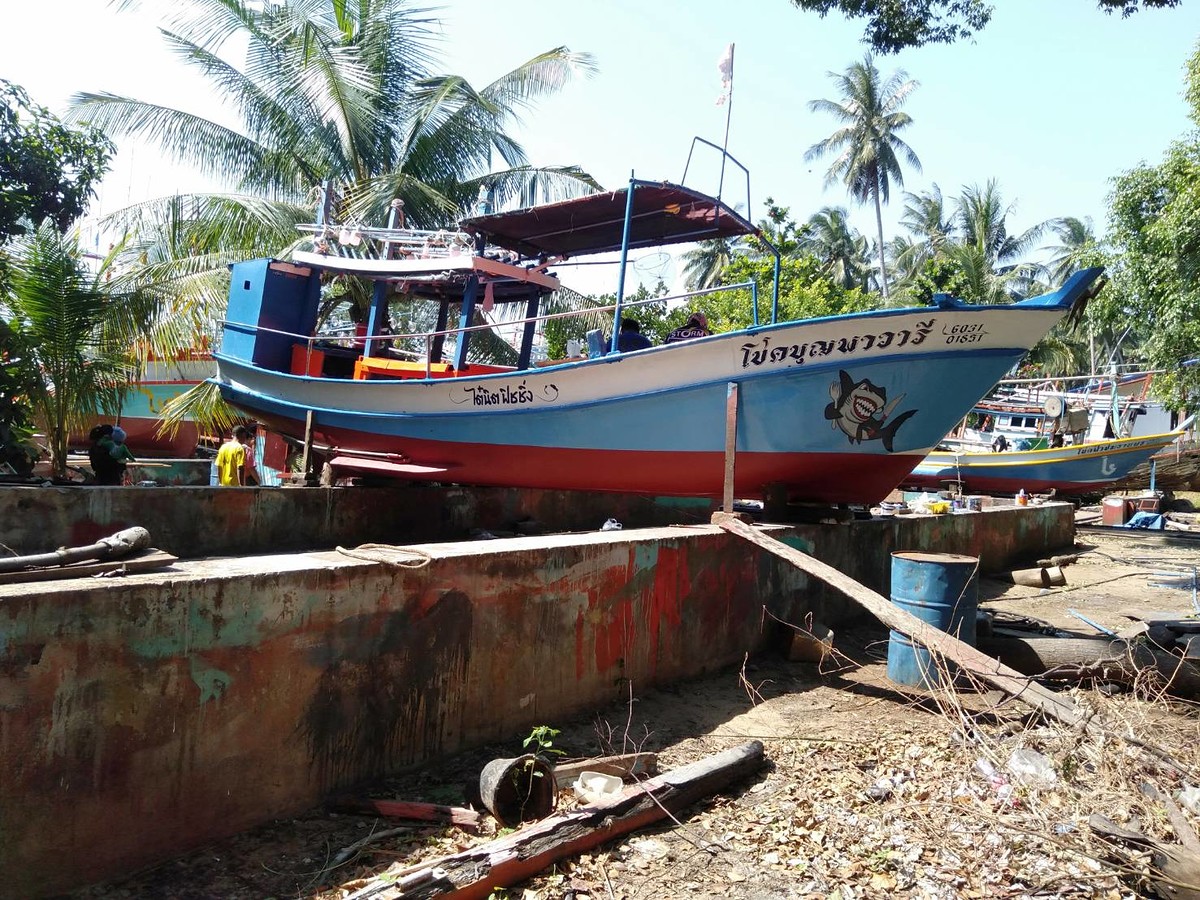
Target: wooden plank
1176,620
145,561
622,765
731,415
966,657
1179,823
475,873
398,268
466,819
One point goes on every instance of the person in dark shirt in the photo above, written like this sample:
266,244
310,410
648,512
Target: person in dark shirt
695,327
105,468
630,336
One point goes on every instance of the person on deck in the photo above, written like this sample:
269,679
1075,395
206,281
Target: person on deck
231,459
630,336
695,327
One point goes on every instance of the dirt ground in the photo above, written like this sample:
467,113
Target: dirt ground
869,790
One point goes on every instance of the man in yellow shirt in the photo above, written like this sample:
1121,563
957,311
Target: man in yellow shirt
231,459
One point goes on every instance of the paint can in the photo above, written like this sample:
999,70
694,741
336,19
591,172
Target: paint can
518,790
975,504
942,590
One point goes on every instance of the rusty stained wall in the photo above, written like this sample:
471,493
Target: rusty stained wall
192,522
144,717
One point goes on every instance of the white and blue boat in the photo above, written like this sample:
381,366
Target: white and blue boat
838,409
1070,470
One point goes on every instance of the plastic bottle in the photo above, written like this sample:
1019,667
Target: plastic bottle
1022,498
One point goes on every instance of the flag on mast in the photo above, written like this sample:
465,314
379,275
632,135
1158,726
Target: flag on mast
725,67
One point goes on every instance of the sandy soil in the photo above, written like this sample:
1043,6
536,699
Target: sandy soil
869,790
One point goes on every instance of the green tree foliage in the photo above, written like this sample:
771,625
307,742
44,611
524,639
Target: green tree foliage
47,170
867,148
77,329
840,249
804,292
892,26
18,380
1154,213
1155,216
652,317
324,92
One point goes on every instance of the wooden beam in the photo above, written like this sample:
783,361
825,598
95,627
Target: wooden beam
466,819
622,766
731,411
967,657
475,873
400,268
145,561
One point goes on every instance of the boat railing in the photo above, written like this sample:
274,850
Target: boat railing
352,241
429,337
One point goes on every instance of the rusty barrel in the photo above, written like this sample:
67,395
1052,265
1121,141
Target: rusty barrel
941,589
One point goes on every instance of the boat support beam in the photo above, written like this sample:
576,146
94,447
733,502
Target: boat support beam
731,410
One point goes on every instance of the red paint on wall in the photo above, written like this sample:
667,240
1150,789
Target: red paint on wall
580,665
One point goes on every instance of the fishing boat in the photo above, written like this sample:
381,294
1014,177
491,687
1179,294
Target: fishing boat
1027,413
141,407
1070,470
837,409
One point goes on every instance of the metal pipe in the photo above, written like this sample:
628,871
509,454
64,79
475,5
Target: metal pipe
123,543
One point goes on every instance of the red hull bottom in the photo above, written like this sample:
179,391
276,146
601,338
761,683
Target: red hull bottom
143,440
815,477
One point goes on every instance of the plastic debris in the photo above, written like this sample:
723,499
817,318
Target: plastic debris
1189,797
1032,768
611,525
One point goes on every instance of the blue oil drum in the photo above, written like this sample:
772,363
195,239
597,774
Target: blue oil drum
941,589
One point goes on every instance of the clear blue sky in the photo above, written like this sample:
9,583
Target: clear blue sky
1053,99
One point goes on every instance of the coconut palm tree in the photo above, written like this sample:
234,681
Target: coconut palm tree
703,264
333,92
925,218
841,250
981,218
1076,239
867,147
77,326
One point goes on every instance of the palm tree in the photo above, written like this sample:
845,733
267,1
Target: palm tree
841,250
703,264
925,218
335,92
1076,239
79,327
867,147
981,217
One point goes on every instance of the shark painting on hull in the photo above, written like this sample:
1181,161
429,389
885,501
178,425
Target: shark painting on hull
861,410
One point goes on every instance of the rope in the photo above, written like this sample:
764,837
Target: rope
389,554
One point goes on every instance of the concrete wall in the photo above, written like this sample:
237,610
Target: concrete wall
193,522
144,716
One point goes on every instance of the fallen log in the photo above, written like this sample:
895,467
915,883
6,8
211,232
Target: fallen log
1100,658
965,656
475,873
623,765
